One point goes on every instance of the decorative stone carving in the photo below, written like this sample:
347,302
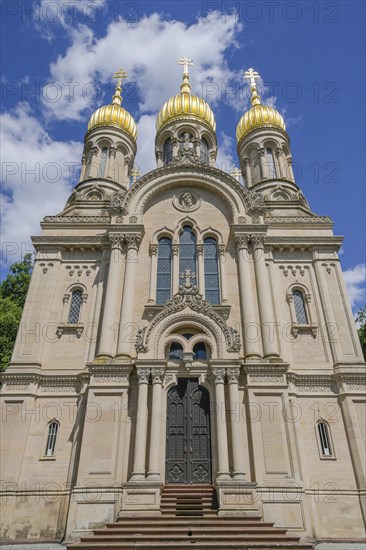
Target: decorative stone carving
218,375
187,202
233,375
116,240
266,378
118,198
143,375
133,219
157,375
77,219
257,241
242,241
133,240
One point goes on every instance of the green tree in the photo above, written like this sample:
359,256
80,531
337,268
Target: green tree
361,321
13,292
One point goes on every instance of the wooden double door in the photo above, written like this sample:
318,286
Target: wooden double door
188,439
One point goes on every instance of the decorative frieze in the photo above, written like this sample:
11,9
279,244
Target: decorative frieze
77,219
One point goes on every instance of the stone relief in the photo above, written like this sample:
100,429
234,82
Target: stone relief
187,202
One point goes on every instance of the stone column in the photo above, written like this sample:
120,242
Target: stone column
266,312
264,167
141,426
222,264
154,454
251,338
175,274
153,272
109,320
124,345
237,439
83,168
201,269
221,430
93,168
281,167
248,174
111,165
290,170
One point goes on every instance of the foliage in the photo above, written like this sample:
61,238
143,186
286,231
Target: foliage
13,292
361,321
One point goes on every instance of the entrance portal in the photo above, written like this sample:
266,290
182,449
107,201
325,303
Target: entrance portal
188,439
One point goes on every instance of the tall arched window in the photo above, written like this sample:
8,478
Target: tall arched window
103,163
164,273
300,310
175,350
75,306
187,251
324,438
168,151
199,351
88,163
212,285
271,164
204,151
51,439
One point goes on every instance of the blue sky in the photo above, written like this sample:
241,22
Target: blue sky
57,62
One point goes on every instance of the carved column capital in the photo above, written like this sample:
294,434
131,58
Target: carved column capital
83,160
246,161
94,151
261,151
242,241
222,249
257,241
199,249
279,152
219,375
143,375
116,241
133,241
233,375
157,375
112,152
153,249
175,249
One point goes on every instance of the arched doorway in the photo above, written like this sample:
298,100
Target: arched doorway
188,437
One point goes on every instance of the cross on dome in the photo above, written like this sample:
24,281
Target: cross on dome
185,61
119,75
185,87
252,76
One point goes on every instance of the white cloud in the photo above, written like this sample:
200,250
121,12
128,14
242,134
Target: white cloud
149,50
37,178
355,278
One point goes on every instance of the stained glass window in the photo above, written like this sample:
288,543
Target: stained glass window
164,272
168,151
187,252
51,439
76,301
301,317
271,164
102,163
212,287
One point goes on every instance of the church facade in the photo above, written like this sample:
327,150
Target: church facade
187,326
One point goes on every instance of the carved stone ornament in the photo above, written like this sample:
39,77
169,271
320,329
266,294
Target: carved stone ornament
219,375
188,296
186,202
118,198
143,375
233,375
157,375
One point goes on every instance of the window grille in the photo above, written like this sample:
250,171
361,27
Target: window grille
168,151
103,163
212,285
51,439
164,271
76,301
187,251
300,310
271,164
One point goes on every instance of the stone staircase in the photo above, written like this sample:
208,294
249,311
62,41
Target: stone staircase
189,520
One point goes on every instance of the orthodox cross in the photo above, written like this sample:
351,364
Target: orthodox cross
252,76
120,75
135,173
236,173
185,62
187,275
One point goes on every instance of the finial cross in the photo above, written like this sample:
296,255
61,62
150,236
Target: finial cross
120,75
236,173
187,275
185,62
252,76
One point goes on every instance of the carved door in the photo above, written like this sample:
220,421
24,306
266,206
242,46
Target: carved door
188,440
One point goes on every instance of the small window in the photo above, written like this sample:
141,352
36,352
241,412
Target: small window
204,151
51,439
164,271
199,351
168,151
103,163
175,351
300,310
324,438
271,164
75,306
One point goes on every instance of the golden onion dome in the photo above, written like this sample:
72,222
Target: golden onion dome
258,116
114,115
185,104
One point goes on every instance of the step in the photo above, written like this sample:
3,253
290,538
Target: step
209,545
183,530
255,537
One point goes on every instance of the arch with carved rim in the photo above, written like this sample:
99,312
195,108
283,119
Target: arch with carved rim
190,222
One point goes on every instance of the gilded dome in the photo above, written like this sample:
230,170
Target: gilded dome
258,116
185,105
114,115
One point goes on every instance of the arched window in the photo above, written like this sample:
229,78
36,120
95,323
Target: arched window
175,350
212,286
75,306
51,439
300,310
164,273
204,151
271,164
324,438
187,251
88,163
103,162
168,151
199,351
